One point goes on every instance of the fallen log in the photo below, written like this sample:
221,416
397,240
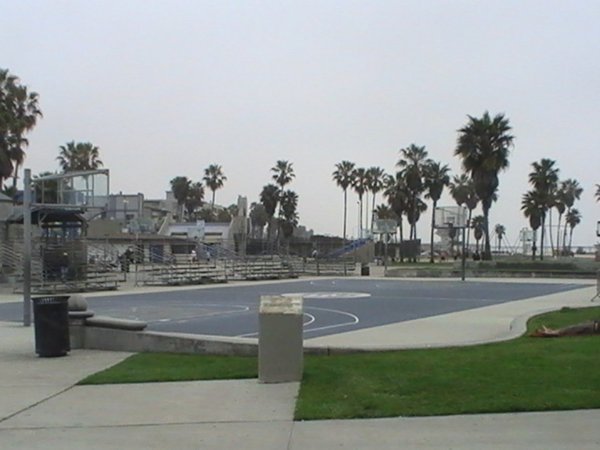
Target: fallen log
581,329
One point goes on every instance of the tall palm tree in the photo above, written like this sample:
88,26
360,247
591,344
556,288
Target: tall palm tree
413,162
258,219
283,174
544,179
384,211
573,218
559,202
478,225
359,184
19,111
214,178
533,207
436,178
269,197
463,192
500,231
181,188
194,198
375,177
484,146
397,194
289,221
343,178
79,156
571,191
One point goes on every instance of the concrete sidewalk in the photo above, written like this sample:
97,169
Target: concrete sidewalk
41,408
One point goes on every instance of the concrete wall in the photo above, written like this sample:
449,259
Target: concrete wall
98,338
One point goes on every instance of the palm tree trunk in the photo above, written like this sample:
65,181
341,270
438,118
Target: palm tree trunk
533,248
401,239
366,211
542,238
487,253
345,212
469,229
373,212
565,234
570,238
550,231
432,228
558,235
360,215
212,204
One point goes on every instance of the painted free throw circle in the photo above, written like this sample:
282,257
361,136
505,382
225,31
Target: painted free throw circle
328,295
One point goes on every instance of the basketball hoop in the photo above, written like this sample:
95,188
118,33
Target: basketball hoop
446,217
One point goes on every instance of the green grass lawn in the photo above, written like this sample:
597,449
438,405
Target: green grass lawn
153,367
525,374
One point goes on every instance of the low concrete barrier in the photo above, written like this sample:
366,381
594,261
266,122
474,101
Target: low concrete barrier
99,338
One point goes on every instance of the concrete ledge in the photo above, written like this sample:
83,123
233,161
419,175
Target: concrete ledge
99,338
117,324
81,314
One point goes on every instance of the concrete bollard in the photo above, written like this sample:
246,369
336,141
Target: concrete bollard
280,355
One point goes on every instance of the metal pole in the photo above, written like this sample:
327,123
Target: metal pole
464,254
27,248
385,256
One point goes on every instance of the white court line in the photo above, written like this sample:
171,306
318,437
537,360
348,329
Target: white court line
354,318
354,321
311,319
242,309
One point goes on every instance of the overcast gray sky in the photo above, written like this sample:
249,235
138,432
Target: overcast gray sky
165,88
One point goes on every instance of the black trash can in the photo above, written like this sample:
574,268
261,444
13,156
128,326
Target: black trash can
51,323
364,270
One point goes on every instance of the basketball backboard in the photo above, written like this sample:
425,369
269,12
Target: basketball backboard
451,216
383,226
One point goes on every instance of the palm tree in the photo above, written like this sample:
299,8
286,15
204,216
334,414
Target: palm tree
462,190
289,221
544,179
19,112
181,188
384,211
194,198
571,191
79,156
359,184
375,177
413,163
258,219
343,178
214,178
436,178
559,202
484,146
397,193
478,225
283,174
500,231
573,218
533,207
269,197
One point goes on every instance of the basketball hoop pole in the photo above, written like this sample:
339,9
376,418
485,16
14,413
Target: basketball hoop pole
463,255
27,248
